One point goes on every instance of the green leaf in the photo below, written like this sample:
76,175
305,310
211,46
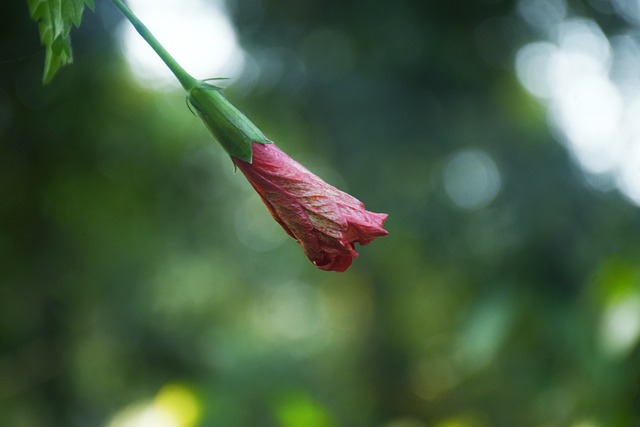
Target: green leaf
55,19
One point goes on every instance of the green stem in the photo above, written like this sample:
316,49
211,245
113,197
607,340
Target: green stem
185,79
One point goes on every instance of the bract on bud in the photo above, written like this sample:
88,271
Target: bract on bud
233,130
325,221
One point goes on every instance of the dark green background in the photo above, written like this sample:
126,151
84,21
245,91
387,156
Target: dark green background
128,261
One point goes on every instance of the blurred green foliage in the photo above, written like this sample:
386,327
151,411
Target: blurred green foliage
140,277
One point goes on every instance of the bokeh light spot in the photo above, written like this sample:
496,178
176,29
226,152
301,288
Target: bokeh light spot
256,228
591,88
198,34
174,406
628,9
290,312
486,329
620,326
584,36
300,410
471,179
181,402
532,63
542,14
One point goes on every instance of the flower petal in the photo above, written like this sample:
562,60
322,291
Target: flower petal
325,221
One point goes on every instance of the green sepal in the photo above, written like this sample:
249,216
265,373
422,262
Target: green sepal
232,129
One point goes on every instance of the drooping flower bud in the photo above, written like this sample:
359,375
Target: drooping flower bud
325,221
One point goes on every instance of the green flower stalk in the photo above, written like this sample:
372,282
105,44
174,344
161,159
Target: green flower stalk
326,222
232,129
183,77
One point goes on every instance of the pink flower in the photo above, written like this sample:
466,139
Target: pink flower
325,221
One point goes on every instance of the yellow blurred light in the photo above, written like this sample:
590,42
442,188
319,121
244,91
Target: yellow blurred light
181,402
174,406
300,410
462,421
143,415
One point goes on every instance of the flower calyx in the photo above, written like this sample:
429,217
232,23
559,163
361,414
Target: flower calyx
232,129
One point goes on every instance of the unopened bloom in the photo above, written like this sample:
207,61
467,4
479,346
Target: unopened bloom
325,221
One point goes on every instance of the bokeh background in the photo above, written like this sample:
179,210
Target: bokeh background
142,283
